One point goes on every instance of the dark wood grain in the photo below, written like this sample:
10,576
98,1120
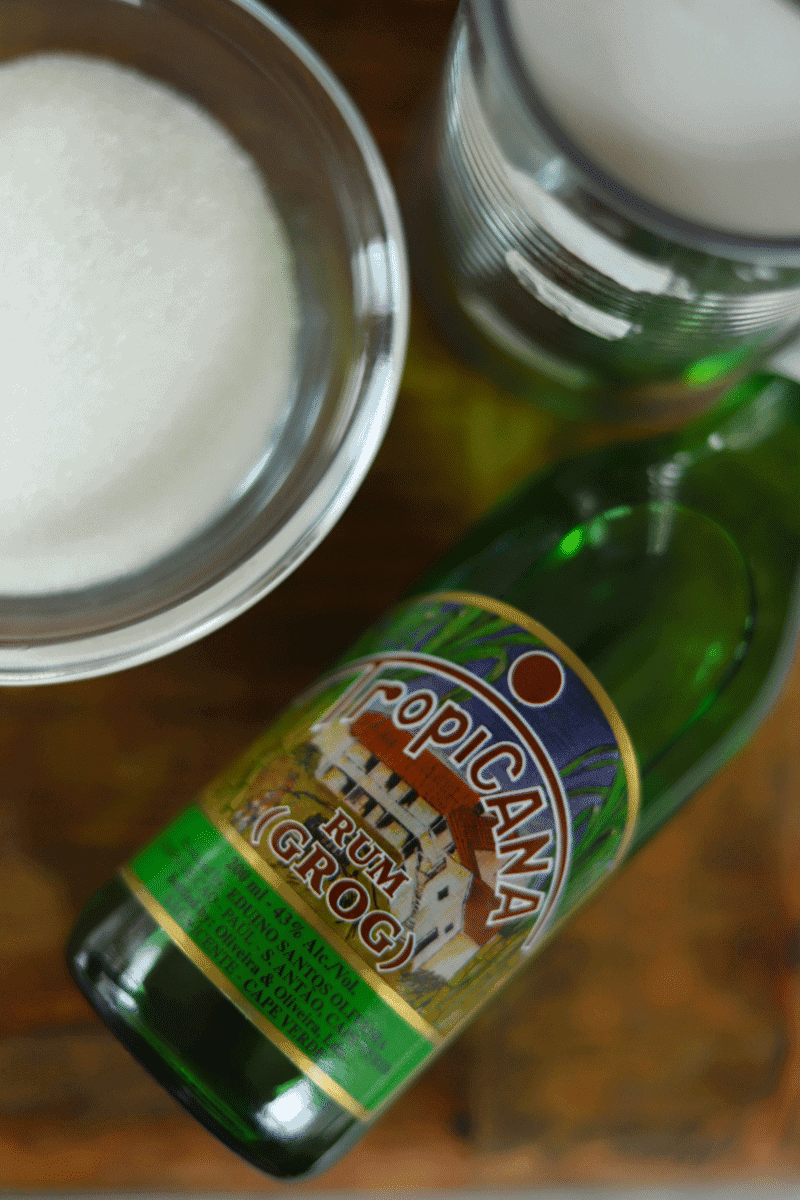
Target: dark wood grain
656,1039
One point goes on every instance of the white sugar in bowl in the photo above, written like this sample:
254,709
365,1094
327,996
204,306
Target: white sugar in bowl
205,315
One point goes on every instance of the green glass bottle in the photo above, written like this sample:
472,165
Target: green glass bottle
302,940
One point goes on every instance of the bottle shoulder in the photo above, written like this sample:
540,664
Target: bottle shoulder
671,567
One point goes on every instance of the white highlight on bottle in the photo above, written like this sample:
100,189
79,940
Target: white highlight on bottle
147,321
694,104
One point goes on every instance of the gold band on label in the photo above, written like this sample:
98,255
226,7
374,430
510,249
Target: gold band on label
248,1010
627,753
604,701
353,960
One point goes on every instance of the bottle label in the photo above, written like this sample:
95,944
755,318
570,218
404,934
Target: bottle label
389,853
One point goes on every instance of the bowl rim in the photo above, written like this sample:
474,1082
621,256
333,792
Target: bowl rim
210,608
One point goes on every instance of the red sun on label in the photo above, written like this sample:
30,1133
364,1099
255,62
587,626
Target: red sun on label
536,678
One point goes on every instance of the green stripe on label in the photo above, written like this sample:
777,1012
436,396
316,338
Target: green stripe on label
278,962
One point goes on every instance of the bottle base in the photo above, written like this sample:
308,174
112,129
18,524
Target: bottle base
198,1046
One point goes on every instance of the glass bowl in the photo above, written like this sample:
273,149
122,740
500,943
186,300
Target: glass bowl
333,194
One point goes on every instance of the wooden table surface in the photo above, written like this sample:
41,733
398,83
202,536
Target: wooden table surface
657,1039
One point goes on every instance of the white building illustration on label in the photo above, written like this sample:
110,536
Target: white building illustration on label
435,822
